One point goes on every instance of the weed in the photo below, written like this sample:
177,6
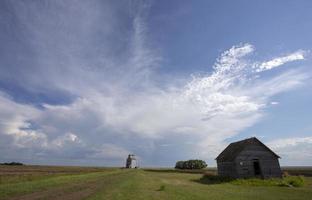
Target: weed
162,188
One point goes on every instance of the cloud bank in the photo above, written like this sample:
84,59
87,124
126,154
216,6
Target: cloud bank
297,150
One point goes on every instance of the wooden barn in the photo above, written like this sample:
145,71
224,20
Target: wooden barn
248,158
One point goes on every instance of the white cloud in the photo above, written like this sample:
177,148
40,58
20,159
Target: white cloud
276,62
286,142
65,139
110,151
293,150
14,122
211,108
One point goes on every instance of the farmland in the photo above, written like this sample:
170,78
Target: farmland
92,183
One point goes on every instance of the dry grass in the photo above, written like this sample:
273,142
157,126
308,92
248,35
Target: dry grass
13,174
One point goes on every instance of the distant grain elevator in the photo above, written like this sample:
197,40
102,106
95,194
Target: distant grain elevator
248,158
131,161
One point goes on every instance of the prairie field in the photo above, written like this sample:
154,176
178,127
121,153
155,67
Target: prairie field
95,183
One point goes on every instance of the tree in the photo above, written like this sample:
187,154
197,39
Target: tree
179,165
191,164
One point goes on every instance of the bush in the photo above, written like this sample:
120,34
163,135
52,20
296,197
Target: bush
295,181
191,164
162,188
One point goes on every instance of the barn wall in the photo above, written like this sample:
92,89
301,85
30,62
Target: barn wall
271,168
244,168
269,164
226,169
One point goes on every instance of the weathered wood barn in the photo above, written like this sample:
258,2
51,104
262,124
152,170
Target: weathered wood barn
248,158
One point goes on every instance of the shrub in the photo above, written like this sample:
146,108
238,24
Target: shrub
162,188
191,164
296,181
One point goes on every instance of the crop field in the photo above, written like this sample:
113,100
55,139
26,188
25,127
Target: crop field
92,183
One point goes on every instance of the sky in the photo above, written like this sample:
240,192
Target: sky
88,82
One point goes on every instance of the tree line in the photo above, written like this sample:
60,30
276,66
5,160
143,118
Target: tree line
191,164
12,163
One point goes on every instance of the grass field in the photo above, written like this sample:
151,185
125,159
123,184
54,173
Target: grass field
40,182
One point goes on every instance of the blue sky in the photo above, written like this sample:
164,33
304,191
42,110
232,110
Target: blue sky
88,82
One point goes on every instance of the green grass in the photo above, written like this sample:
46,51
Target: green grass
153,184
167,185
289,181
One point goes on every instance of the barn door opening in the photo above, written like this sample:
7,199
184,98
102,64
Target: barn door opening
257,168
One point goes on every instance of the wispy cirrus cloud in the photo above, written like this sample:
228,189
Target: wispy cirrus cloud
276,62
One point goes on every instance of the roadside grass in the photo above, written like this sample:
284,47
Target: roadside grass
288,181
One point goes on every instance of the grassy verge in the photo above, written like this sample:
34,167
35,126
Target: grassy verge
289,181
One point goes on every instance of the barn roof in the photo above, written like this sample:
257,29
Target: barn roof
233,149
